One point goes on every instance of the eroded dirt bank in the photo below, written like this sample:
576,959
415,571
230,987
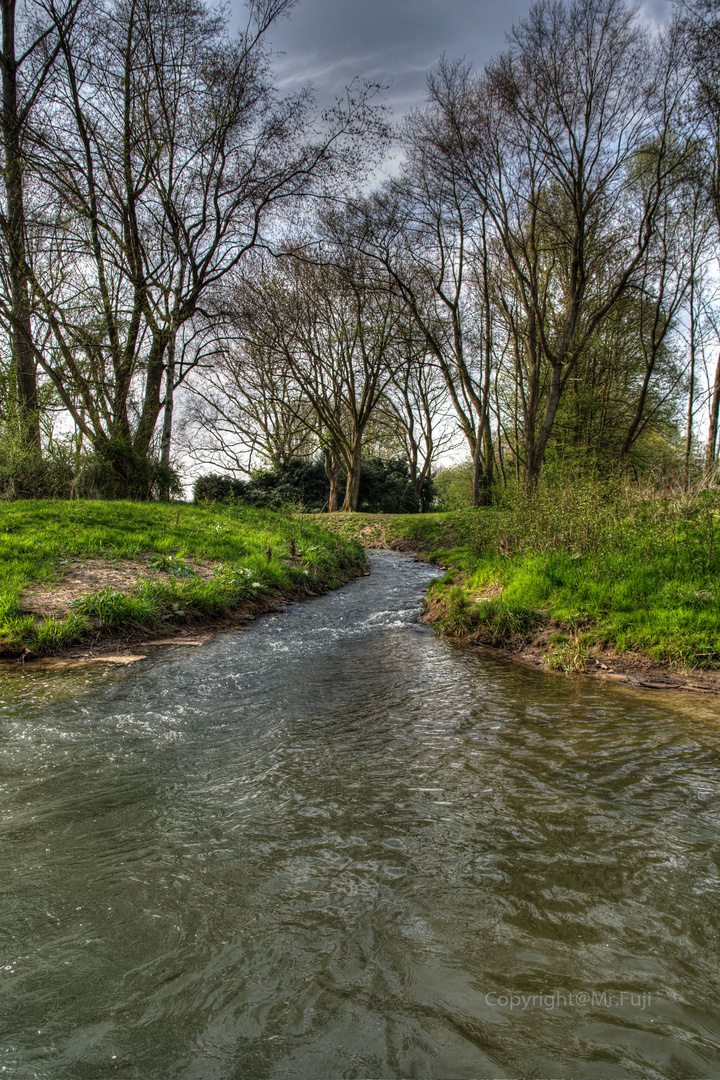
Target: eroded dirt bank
85,578
131,643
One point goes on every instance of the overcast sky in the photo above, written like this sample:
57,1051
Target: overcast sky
393,42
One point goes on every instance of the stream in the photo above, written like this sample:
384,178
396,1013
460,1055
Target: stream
331,845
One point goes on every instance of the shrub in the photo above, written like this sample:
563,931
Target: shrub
385,487
99,478
25,474
215,488
296,482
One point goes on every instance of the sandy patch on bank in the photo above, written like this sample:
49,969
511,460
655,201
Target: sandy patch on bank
488,593
83,576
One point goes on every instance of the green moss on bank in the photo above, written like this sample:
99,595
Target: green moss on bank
38,540
584,571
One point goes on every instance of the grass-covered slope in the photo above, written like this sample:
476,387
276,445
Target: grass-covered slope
179,564
579,572
442,537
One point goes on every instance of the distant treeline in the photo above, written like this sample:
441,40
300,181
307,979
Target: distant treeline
198,271
385,487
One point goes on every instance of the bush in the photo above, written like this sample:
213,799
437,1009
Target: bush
454,486
215,488
296,482
59,473
385,487
99,478
25,474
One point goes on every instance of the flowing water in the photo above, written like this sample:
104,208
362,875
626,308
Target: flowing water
330,845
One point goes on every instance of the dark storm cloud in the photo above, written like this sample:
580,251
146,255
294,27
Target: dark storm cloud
394,42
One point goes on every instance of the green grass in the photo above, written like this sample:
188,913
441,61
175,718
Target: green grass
38,539
603,567
437,537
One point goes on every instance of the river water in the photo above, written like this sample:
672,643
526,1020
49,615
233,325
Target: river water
330,845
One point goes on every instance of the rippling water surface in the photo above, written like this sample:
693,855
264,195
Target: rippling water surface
330,846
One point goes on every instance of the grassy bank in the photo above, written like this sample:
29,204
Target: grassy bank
79,572
579,573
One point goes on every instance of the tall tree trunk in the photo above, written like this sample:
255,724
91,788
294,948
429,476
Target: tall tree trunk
482,484
166,437
477,467
712,434
152,402
535,447
489,460
529,388
23,359
332,471
352,487
691,395
483,462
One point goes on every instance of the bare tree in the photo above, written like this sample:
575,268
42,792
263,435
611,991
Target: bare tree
244,409
168,152
545,140
434,248
699,26
670,270
337,333
30,47
415,413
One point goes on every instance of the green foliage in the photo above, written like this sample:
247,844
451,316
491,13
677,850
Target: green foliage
454,486
613,567
256,553
496,620
385,487
59,473
54,633
121,472
172,564
25,474
598,405
215,488
294,483
112,609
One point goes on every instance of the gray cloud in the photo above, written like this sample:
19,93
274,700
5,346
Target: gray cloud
394,42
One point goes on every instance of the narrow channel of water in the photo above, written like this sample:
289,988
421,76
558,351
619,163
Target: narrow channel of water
331,845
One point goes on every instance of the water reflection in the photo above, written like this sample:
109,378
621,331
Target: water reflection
331,845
